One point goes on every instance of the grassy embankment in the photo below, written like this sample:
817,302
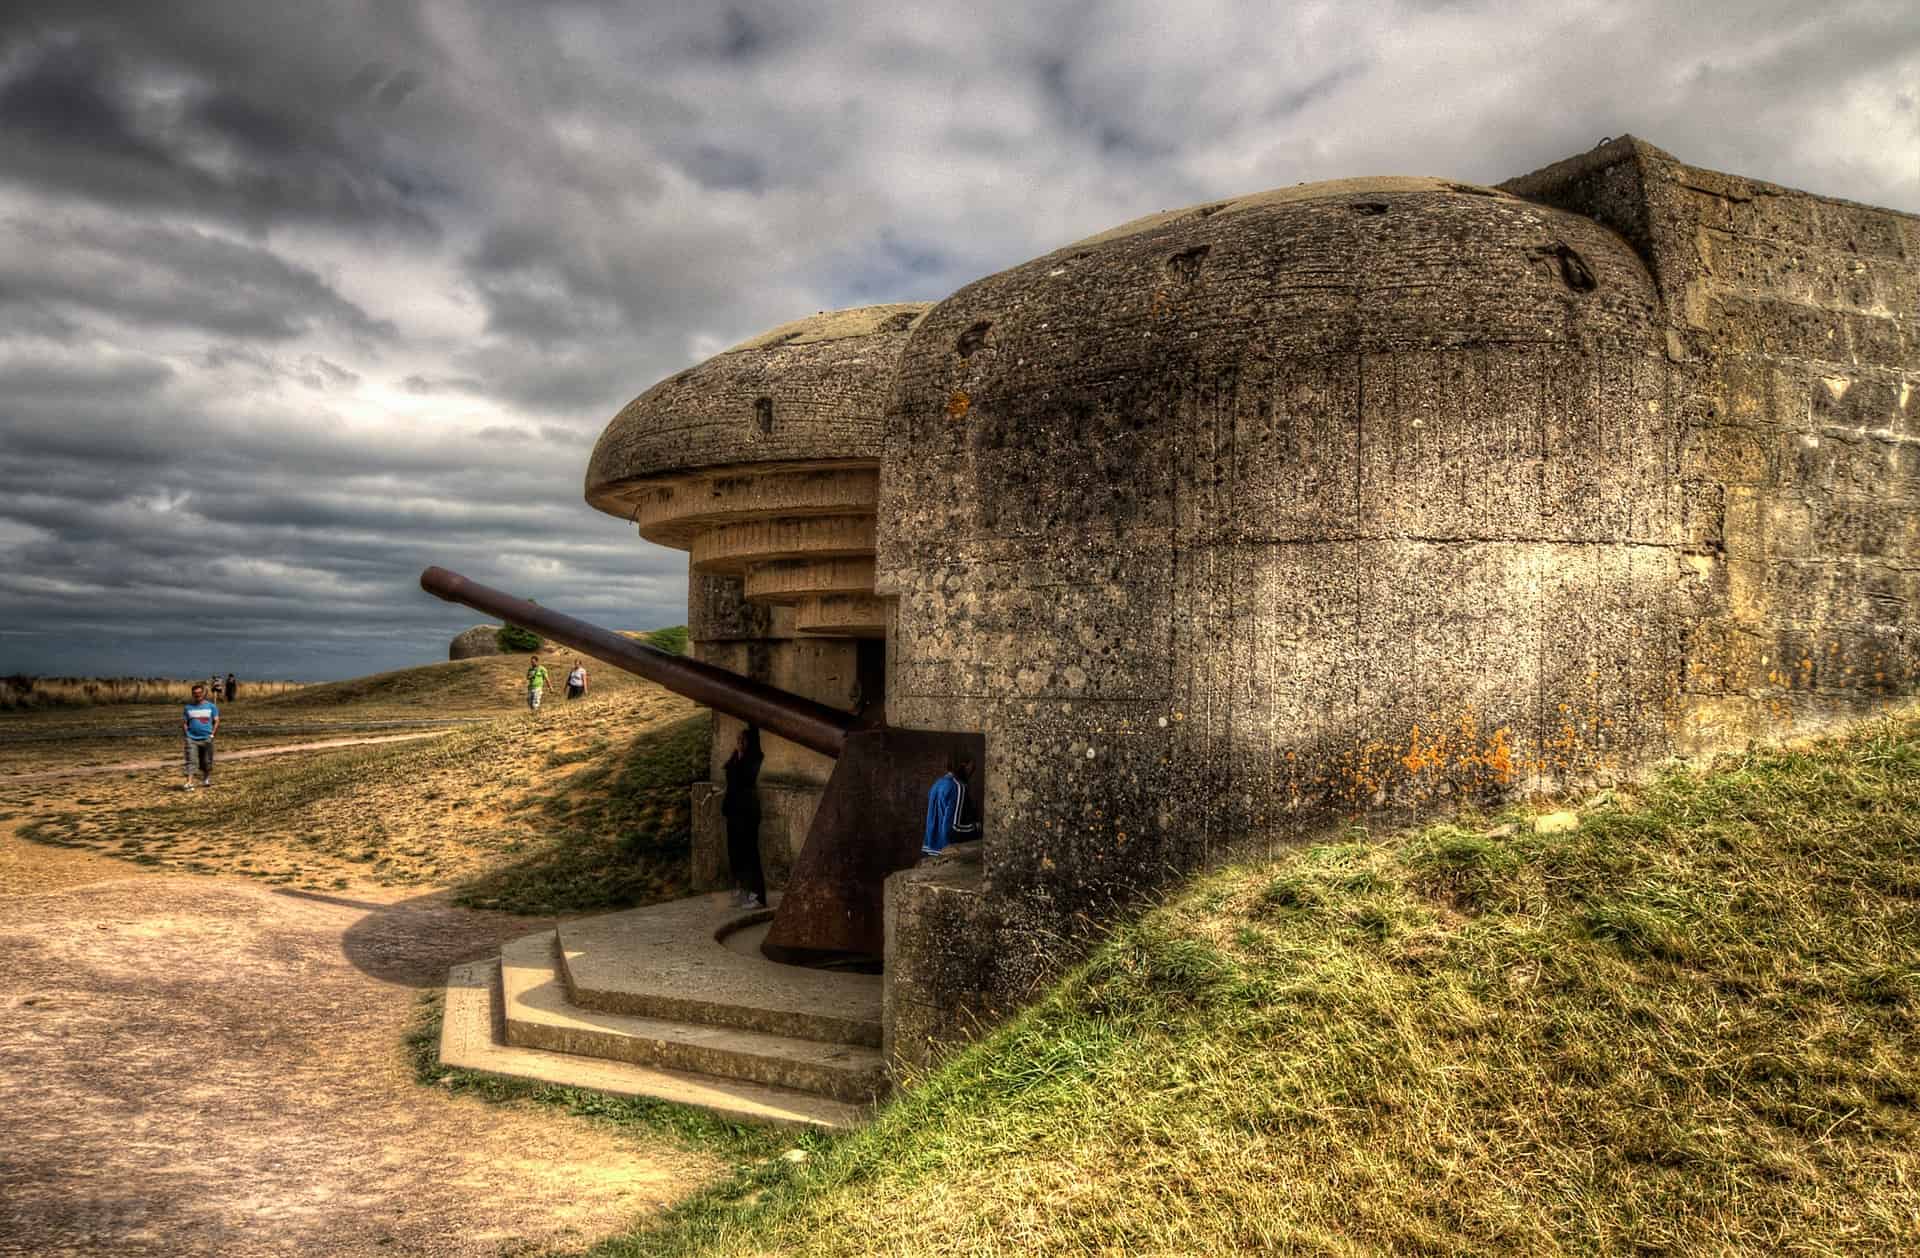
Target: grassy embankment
582,807
453,690
1691,1026
23,693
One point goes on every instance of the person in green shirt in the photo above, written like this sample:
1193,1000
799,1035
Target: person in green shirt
536,682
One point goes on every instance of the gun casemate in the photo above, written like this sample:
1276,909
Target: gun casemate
868,822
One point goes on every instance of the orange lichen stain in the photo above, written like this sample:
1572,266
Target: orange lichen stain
1419,759
1499,756
1433,761
959,404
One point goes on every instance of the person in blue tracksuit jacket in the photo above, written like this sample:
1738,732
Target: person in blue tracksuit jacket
948,820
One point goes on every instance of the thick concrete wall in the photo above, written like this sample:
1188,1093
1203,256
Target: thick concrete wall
1344,497
1791,325
1383,493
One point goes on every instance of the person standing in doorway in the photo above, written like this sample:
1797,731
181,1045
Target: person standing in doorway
948,818
741,807
199,719
536,683
577,681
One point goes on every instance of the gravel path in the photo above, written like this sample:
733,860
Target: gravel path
198,1066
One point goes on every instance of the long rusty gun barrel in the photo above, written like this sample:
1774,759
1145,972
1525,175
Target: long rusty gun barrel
812,725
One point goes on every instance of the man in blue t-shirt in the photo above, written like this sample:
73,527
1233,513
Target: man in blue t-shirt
198,721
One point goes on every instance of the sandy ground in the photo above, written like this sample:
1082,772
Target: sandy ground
206,1065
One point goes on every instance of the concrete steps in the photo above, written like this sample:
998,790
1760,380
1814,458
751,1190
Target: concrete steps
675,1002
690,962
541,1013
472,1037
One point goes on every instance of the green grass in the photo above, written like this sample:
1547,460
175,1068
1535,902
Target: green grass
614,835
749,1146
1691,1026
672,639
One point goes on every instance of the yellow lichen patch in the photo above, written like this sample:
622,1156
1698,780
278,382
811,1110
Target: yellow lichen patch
959,404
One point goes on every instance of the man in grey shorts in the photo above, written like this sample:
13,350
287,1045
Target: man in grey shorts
198,721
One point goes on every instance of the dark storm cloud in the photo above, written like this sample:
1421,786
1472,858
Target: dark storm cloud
86,116
295,299
152,275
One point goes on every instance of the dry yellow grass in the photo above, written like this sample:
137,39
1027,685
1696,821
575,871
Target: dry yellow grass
426,813
23,693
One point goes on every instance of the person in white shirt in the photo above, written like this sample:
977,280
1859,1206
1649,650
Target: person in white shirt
577,680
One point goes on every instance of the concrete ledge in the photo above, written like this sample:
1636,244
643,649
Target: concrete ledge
470,1040
938,958
666,961
540,1015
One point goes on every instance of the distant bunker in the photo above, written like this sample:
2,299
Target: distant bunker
1363,495
468,644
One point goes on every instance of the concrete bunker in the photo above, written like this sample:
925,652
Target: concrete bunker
1367,495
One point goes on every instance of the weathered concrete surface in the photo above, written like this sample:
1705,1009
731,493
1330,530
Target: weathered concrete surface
472,643
666,961
201,1066
1791,324
1324,501
542,1013
809,391
1343,497
939,958
470,1040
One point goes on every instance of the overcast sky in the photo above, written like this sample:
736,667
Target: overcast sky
298,298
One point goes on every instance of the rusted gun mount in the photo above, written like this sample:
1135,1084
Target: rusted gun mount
871,817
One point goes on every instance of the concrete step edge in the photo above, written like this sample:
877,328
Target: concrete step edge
540,1015
470,1039
825,1028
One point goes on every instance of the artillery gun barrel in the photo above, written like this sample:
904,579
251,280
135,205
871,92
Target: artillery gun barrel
813,725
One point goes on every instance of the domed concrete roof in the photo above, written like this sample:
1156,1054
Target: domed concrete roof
475,642
1354,265
1071,383
763,463
807,392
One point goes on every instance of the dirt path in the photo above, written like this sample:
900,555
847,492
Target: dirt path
196,1065
222,756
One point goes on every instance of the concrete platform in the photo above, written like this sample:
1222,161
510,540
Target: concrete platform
472,1038
540,1014
667,961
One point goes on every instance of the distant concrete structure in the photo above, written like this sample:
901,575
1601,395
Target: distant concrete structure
1344,497
473,643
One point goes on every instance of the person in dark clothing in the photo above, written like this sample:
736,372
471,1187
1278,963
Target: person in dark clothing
233,688
741,807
